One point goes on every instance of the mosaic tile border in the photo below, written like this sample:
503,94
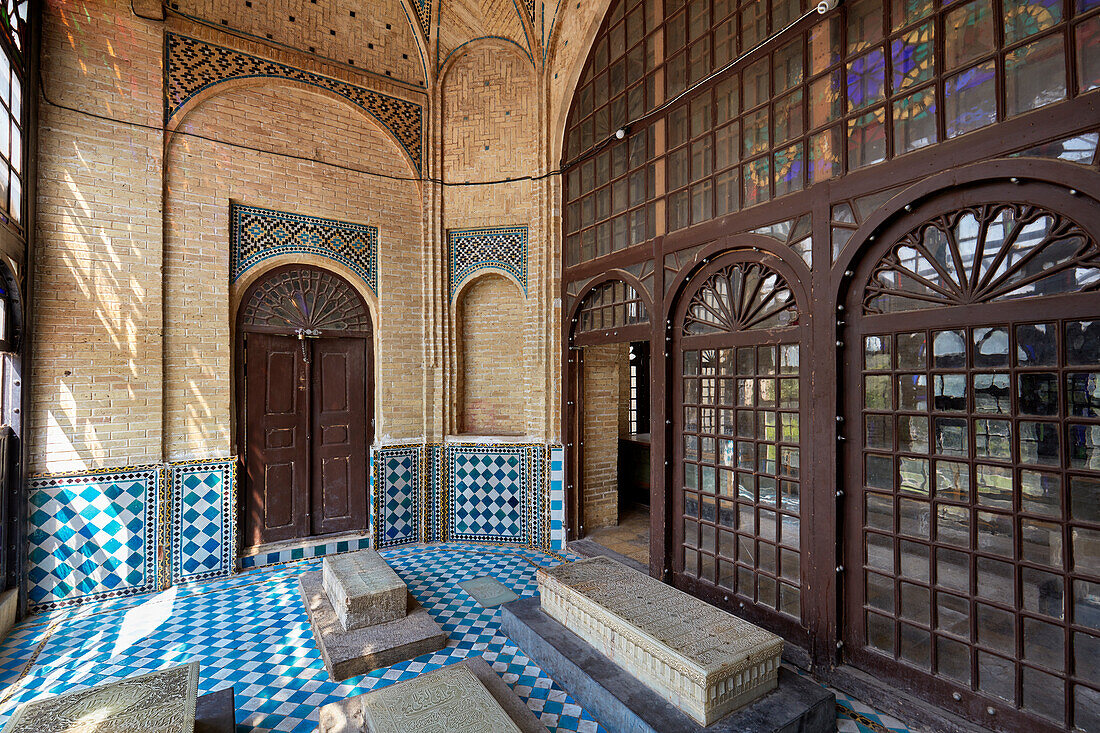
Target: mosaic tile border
409,499
557,497
218,508
424,15
191,65
458,454
101,573
257,234
487,248
305,552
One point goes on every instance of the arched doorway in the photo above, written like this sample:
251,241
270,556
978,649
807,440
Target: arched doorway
735,510
971,527
308,386
608,419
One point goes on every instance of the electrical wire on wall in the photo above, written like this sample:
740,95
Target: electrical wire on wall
822,7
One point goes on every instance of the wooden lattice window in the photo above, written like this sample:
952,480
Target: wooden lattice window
983,254
742,297
305,298
612,305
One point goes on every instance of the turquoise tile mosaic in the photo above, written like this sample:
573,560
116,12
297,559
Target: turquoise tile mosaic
494,248
488,490
257,234
250,632
397,500
204,526
94,535
192,65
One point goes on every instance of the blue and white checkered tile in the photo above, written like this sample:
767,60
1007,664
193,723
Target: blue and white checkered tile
557,497
93,536
250,632
398,509
853,716
305,552
204,543
488,491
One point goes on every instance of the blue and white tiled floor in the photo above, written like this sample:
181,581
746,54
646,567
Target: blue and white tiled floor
250,632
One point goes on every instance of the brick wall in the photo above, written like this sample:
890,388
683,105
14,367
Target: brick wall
204,176
602,400
490,131
492,399
95,358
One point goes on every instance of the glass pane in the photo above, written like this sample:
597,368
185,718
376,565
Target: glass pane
1036,344
915,121
1083,391
970,99
1027,17
867,139
968,32
1035,75
912,57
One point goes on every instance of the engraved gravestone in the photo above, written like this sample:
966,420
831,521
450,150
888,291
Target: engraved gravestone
157,702
363,589
701,659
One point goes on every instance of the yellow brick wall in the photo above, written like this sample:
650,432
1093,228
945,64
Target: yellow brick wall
492,397
203,177
132,361
603,397
95,364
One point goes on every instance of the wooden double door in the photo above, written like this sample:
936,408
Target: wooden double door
307,436
307,406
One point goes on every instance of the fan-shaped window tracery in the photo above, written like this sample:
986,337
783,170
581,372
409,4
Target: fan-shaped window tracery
744,296
984,254
306,298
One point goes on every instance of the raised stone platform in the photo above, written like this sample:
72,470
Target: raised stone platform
701,659
358,651
623,704
362,589
161,701
467,697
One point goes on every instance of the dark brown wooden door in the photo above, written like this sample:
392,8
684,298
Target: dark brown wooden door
338,445
278,439
307,436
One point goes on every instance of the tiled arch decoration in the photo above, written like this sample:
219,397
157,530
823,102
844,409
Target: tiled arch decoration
487,248
192,65
424,15
258,234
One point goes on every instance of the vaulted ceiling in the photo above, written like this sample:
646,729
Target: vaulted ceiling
382,37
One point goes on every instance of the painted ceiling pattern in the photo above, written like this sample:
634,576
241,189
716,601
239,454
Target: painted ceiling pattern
194,65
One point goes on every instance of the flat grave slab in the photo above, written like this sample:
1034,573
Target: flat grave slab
623,704
363,589
488,591
159,702
215,712
358,651
701,659
468,697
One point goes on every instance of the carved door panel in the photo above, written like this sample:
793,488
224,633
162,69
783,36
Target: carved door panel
339,445
278,440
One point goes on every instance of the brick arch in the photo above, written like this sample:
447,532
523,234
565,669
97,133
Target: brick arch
182,115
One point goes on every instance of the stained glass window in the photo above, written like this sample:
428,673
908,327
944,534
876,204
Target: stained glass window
870,81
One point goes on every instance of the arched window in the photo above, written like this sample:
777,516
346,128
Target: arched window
736,487
973,468
612,305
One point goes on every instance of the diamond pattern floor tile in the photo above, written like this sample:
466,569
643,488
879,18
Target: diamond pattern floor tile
250,632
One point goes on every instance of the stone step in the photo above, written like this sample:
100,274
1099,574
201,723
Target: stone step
362,589
701,659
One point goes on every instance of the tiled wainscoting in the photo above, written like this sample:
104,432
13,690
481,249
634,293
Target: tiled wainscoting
106,534
98,535
499,493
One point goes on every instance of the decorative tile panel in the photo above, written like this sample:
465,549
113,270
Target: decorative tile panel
305,552
494,248
193,65
424,15
435,489
94,536
487,487
258,234
397,496
557,497
204,520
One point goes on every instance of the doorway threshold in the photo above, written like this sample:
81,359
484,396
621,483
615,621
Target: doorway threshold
590,548
307,547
